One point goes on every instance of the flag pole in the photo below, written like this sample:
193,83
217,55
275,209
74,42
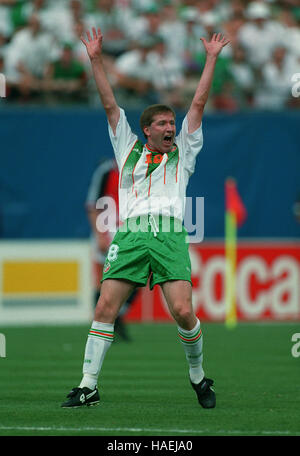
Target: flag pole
230,270
235,215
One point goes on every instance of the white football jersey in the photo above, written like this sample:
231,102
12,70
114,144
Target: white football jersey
150,182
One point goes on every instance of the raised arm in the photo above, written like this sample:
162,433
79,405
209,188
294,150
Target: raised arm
212,48
94,49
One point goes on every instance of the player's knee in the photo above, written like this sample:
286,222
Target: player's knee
182,311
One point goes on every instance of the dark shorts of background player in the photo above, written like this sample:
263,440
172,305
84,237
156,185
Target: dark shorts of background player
138,252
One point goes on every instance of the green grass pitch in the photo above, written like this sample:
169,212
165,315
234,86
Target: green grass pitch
144,384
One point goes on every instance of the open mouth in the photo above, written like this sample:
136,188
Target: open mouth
168,139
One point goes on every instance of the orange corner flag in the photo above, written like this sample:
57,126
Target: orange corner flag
234,203
235,215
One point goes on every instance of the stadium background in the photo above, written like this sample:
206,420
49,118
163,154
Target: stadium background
50,145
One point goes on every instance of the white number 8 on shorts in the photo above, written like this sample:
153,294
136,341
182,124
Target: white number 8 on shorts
112,254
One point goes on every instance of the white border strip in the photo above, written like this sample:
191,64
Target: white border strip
153,430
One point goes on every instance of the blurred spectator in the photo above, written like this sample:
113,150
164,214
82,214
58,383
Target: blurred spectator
141,5
225,100
35,7
3,42
58,18
242,77
147,23
234,21
22,10
172,30
132,72
114,23
17,16
192,44
210,22
65,78
291,38
260,34
148,72
6,25
205,6
141,75
167,75
275,90
27,55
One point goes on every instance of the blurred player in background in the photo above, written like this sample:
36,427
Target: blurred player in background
152,187
104,183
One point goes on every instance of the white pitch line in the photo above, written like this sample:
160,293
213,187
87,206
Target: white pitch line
139,430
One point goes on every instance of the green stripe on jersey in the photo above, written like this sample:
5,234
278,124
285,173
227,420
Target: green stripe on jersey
130,163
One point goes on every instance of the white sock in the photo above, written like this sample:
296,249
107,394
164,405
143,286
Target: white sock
192,342
99,340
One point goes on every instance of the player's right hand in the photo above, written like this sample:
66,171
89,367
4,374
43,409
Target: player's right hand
215,45
93,44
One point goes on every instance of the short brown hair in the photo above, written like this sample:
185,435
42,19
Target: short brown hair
146,118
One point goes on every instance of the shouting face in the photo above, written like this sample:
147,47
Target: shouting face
161,133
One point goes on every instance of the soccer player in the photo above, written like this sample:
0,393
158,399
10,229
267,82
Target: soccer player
152,188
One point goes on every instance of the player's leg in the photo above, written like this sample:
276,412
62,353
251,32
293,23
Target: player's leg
120,326
113,294
178,294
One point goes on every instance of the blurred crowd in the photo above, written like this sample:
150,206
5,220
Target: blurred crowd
152,51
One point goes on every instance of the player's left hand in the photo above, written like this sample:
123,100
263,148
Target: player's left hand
215,45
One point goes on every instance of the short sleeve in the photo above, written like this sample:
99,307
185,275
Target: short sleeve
123,140
189,145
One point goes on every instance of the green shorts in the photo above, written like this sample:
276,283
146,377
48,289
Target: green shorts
144,248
